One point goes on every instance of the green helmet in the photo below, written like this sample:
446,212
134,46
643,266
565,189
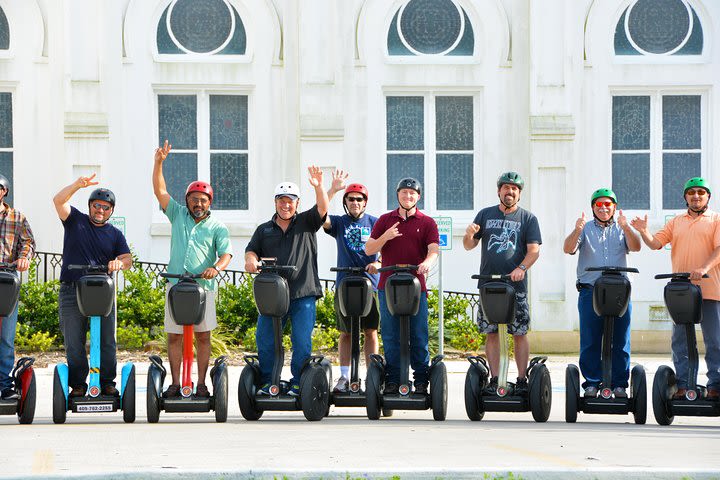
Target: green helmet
696,182
603,192
512,178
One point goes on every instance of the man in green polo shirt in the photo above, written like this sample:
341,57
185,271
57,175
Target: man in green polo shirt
199,244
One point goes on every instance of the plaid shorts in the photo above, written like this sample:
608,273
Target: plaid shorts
518,327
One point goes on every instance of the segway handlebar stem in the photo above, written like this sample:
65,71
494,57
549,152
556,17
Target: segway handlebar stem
8,267
400,267
676,275
90,268
612,269
182,276
355,270
504,276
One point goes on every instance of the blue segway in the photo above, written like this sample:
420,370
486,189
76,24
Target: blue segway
187,308
684,302
23,374
272,298
95,298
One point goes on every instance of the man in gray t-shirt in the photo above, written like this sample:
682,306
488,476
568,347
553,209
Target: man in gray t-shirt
510,245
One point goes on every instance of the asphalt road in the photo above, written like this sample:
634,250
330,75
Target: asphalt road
348,445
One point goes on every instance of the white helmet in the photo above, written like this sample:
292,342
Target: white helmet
287,189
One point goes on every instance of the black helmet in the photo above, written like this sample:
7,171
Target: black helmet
5,183
411,183
102,194
512,178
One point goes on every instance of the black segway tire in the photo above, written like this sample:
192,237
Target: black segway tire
327,367
314,393
26,414
128,398
373,384
220,395
638,387
246,394
152,398
59,402
540,394
438,391
572,393
473,390
664,379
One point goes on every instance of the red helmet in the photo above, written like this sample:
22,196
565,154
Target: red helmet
202,187
356,187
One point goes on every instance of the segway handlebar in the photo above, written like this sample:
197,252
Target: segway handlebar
400,267
685,275
8,267
355,270
267,265
612,269
182,276
90,268
504,276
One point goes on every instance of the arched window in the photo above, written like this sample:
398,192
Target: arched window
4,32
430,27
659,28
6,140
201,27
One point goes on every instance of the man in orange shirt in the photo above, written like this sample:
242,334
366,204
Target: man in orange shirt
695,239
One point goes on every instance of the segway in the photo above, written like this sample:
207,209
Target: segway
272,298
23,374
611,295
187,308
402,293
95,297
684,302
497,300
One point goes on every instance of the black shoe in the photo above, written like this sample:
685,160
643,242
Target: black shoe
9,394
521,386
78,391
173,390
202,391
110,391
421,388
391,389
491,388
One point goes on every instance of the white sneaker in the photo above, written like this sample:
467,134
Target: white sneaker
342,385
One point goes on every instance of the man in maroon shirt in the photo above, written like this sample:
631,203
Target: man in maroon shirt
405,235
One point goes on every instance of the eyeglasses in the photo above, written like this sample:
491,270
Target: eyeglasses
355,199
603,204
699,191
100,206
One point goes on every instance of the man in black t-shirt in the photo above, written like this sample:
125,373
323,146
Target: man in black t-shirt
290,237
88,240
510,245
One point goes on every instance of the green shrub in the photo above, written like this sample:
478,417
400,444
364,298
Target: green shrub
28,341
141,302
38,308
236,311
325,339
132,337
325,311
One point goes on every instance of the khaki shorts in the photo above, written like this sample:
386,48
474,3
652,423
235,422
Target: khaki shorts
208,323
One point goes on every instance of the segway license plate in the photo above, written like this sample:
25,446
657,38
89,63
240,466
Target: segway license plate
94,407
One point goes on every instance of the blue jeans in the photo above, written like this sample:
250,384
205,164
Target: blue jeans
591,335
390,331
711,334
74,327
302,320
7,349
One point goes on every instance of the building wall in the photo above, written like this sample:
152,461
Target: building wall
85,75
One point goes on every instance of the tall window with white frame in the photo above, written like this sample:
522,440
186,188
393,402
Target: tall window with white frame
4,31
209,135
656,146
6,140
432,138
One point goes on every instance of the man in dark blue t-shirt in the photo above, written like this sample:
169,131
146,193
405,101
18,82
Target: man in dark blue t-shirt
88,240
510,245
351,231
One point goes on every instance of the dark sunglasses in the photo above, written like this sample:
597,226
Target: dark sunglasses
699,191
355,199
100,206
603,204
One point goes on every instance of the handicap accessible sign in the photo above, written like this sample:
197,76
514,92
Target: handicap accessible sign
445,230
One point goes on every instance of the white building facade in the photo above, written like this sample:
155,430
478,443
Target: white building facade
573,94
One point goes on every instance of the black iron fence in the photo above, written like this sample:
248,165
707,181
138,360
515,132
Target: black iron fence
49,264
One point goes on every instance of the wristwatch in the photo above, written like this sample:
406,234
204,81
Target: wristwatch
522,267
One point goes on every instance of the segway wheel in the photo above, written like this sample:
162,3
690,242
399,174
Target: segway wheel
473,390
220,395
59,402
438,391
540,393
128,398
327,367
638,387
664,379
152,398
314,394
246,394
26,414
373,383
572,393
